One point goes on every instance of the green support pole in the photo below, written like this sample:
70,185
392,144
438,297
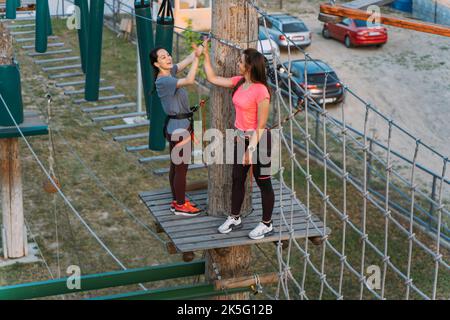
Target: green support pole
94,50
49,22
164,38
41,26
144,30
103,280
11,91
83,31
11,6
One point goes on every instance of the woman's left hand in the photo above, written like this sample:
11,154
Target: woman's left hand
198,50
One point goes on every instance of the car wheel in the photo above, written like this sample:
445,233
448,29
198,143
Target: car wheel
326,33
347,42
379,45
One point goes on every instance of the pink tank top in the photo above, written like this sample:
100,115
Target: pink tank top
246,104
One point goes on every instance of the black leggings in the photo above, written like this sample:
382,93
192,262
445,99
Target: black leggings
262,177
177,173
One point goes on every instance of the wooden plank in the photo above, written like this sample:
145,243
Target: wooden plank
171,219
211,224
164,210
202,194
224,243
180,234
32,126
161,200
237,235
404,23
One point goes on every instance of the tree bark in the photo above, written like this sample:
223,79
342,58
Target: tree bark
12,202
14,240
236,22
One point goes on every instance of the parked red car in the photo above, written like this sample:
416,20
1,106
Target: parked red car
355,33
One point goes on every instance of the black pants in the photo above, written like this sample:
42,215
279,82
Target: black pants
177,173
261,174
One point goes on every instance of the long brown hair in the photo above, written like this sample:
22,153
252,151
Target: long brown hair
255,62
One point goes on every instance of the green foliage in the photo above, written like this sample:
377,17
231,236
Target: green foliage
191,37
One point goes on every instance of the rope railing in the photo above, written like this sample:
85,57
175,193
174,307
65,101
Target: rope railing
372,200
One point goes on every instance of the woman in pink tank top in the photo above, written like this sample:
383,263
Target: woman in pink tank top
251,100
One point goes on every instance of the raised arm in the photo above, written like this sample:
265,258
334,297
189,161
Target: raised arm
211,75
186,62
190,78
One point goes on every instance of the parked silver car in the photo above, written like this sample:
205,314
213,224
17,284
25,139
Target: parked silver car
266,45
282,25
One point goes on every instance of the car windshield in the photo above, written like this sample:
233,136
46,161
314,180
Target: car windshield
262,35
361,23
294,27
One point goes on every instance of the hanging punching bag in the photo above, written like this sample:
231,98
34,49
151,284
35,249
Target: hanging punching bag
144,31
94,50
164,38
11,6
83,31
11,91
49,22
41,26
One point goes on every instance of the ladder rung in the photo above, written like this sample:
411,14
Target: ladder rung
191,167
165,157
114,97
110,107
136,148
48,53
127,126
18,26
80,91
17,33
73,66
73,83
131,137
118,116
66,75
32,39
56,60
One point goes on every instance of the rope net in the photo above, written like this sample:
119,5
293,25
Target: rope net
371,197
383,232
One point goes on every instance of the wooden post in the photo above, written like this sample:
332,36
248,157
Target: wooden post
14,239
237,22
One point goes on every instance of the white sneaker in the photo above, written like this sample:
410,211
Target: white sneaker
230,224
260,231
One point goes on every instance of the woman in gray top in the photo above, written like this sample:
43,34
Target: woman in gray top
175,102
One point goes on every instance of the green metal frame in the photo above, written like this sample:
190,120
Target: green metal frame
102,281
176,293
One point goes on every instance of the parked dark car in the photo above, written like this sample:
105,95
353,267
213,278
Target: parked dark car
317,71
355,33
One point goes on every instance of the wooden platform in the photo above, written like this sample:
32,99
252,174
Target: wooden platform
199,233
32,125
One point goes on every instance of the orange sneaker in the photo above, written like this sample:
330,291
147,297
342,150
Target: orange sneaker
186,210
174,202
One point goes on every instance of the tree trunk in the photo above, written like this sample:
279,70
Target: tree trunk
12,204
14,240
236,22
